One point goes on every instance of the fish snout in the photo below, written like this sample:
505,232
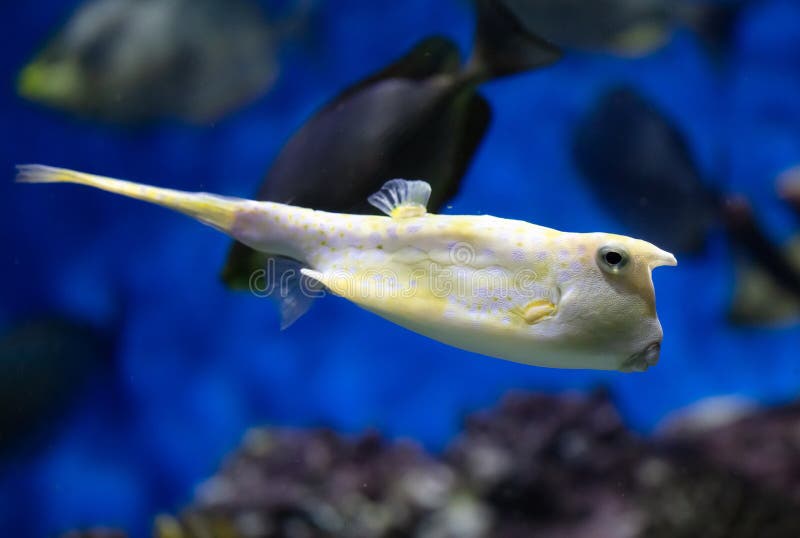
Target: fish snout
642,360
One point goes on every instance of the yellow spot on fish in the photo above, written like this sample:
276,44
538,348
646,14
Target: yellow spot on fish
536,311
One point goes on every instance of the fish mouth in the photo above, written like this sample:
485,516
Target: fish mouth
641,361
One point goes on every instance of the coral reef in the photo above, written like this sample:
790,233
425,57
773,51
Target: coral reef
317,483
762,446
537,465
98,532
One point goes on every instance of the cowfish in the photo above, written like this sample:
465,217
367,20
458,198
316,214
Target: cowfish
628,28
420,116
504,288
638,165
133,61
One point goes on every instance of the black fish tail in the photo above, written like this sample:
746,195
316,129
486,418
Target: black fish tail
503,46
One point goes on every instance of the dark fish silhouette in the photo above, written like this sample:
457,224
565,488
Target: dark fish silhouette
640,168
789,188
420,117
767,276
131,61
43,365
627,27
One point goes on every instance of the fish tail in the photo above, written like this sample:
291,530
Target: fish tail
217,211
504,45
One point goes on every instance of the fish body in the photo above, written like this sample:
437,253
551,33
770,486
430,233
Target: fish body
131,61
411,115
499,287
419,117
640,168
629,27
626,27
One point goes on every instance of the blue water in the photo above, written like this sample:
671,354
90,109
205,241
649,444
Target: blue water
196,365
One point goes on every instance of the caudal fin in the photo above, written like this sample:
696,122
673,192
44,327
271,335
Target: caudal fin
217,211
504,46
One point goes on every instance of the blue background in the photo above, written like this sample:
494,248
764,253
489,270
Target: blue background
195,365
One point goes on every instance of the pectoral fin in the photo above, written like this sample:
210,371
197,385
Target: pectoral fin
286,284
536,311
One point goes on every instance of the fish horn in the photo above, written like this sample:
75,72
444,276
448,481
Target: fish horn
662,257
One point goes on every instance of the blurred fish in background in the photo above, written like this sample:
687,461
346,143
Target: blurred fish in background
44,364
640,168
133,61
419,117
767,291
789,188
627,27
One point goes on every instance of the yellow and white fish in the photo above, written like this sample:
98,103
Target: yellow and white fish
503,288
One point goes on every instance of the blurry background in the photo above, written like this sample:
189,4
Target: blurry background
166,369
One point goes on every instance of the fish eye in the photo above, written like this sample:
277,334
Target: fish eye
612,259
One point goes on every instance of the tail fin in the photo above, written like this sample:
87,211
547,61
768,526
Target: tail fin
503,46
217,211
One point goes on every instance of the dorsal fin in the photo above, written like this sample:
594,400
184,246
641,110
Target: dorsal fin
401,199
